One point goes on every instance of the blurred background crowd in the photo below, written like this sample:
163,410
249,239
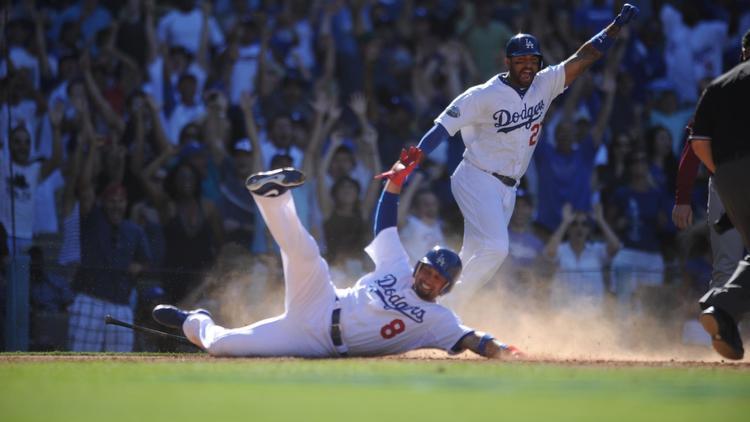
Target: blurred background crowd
128,128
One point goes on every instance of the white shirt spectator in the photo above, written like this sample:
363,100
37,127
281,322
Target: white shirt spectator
579,277
244,71
22,58
22,113
693,53
23,187
180,117
184,29
418,238
269,150
45,209
155,85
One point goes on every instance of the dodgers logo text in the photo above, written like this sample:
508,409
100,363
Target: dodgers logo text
506,121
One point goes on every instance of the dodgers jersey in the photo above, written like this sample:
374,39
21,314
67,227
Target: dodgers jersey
381,314
500,126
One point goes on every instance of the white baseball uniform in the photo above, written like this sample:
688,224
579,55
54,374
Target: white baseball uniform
379,315
500,126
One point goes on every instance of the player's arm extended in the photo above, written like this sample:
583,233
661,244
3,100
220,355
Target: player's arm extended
433,138
485,345
595,48
386,213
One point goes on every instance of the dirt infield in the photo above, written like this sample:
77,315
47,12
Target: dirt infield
413,356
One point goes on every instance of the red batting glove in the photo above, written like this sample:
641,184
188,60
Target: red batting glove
407,162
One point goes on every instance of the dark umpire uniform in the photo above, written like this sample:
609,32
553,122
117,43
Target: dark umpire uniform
721,118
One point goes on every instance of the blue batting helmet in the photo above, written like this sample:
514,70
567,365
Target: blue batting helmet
446,262
523,45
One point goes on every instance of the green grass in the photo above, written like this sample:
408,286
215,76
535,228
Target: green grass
365,390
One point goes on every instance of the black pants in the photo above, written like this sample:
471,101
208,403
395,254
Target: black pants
732,180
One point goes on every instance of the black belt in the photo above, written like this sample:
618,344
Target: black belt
336,331
507,181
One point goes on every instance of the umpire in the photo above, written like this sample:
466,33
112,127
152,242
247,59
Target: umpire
721,140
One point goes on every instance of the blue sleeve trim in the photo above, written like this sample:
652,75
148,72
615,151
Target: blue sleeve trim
433,138
457,346
482,347
386,214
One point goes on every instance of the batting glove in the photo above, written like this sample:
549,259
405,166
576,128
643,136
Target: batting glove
627,13
407,162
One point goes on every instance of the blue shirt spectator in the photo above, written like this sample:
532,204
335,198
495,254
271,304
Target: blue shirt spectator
109,250
564,175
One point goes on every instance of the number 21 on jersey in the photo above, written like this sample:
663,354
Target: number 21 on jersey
534,133
392,329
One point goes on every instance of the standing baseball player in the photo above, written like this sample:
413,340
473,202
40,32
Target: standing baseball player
500,123
390,310
720,140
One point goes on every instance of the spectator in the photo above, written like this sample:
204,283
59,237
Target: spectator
192,231
663,164
580,261
668,113
88,14
21,181
484,33
420,224
113,252
691,53
523,268
189,26
638,211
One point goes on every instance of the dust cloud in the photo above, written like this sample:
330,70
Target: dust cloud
243,289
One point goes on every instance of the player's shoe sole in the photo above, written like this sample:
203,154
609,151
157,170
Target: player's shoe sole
172,316
725,337
275,182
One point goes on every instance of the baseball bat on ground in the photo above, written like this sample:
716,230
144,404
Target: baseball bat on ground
109,320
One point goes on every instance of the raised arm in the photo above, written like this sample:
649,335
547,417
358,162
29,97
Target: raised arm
55,117
152,44
594,48
386,213
550,249
613,242
324,196
101,104
246,105
202,56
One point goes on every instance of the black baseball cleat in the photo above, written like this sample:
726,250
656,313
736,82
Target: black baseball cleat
172,316
725,337
275,182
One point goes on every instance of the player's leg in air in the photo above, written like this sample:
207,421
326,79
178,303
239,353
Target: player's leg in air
309,295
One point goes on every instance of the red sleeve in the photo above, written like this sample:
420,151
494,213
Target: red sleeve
687,171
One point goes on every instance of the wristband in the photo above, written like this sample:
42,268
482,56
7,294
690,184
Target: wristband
601,41
482,347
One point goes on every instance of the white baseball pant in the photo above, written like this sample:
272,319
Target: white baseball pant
486,204
304,328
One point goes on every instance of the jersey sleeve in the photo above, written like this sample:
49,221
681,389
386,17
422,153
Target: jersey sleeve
462,111
703,123
447,332
552,80
386,249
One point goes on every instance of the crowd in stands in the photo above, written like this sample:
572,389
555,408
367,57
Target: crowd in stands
129,127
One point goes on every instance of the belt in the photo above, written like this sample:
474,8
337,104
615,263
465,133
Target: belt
507,180
336,330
